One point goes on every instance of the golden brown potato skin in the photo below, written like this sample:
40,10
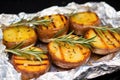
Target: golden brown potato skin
68,56
82,21
105,42
13,36
60,22
30,68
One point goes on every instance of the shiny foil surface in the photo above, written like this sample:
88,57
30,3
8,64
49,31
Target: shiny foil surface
107,64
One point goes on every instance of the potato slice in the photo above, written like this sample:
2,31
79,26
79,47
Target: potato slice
31,68
59,24
105,42
13,36
82,21
68,56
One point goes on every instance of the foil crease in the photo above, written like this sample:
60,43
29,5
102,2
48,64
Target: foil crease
7,72
107,14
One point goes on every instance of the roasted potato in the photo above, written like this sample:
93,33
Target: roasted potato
105,42
82,21
59,25
68,56
13,36
31,67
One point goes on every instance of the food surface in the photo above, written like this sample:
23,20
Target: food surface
15,35
97,49
58,26
30,67
82,21
67,55
105,42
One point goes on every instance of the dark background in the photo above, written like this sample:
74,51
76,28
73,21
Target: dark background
32,6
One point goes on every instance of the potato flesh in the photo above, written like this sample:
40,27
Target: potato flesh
85,18
68,53
112,39
58,21
71,53
31,68
98,43
28,62
105,40
18,34
117,36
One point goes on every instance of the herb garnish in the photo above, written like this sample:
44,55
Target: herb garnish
108,29
74,40
100,30
26,52
33,22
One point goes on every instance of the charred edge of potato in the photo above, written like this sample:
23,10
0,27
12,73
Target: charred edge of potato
106,42
60,22
60,58
81,28
31,40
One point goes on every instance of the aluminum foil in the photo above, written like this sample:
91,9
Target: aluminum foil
105,65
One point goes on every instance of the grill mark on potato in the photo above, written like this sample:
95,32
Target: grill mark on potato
97,34
53,24
113,34
44,62
114,37
61,52
65,19
24,58
31,64
41,26
62,19
109,40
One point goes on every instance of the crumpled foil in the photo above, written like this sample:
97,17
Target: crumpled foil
7,71
106,65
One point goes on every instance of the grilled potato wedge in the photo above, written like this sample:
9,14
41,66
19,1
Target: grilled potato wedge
82,21
31,68
105,42
68,56
59,25
13,36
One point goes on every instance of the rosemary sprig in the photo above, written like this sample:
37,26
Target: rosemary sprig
33,22
74,40
108,29
100,30
27,53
